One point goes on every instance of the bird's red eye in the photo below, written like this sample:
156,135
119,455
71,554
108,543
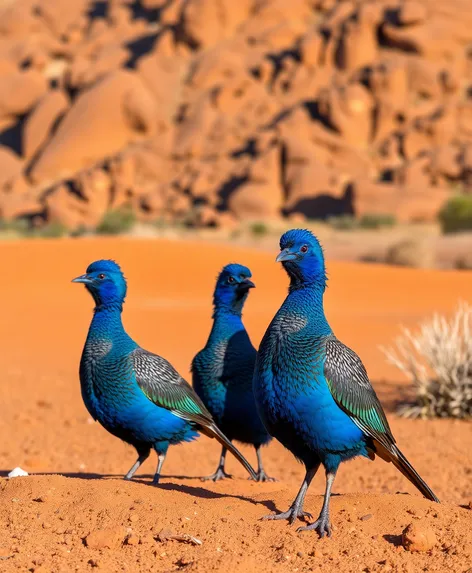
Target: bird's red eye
230,279
303,249
101,276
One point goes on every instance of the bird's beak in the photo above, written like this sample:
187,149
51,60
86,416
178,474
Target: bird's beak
84,279
245,285
285,255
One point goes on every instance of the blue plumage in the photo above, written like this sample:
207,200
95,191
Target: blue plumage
136,395
312,391
222,370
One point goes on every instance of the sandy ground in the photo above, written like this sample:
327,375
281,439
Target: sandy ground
45,428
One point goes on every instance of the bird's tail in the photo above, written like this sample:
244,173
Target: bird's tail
214,432
403,465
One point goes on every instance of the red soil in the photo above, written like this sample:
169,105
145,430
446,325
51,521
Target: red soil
47,430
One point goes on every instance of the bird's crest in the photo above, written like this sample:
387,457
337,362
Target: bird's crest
295,236
104,265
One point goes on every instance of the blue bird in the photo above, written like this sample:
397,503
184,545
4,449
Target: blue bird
137,396
312,391
222,371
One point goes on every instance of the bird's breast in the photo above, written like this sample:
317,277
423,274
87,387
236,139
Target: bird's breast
286,324
108,384
290,365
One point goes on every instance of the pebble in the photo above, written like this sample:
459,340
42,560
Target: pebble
132,539
17,472
110,538
418,538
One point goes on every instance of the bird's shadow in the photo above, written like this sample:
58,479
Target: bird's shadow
205,493
146,479
87,475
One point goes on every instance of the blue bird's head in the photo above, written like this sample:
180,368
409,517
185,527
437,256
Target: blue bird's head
105,282
302,257
232,287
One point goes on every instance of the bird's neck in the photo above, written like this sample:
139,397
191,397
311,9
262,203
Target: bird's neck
226,323
307,300
106,323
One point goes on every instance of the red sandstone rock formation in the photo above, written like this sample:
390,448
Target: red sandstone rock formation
217,111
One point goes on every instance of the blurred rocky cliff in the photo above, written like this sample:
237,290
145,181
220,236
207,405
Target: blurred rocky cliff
211,111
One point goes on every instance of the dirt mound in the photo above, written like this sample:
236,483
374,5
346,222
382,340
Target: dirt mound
209,111
68,524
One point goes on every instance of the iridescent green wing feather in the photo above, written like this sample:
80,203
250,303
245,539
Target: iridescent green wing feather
164,386
351,389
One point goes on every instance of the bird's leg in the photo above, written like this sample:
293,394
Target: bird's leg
142,457
160,462
220,470
296,509
322,524
261,475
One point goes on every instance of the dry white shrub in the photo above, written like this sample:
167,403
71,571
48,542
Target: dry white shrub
438,361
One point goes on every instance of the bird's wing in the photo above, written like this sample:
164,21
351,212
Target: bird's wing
351,389
164,386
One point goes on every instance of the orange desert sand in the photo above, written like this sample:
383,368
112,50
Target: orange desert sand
76,514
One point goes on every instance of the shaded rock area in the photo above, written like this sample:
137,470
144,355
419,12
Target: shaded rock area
214,111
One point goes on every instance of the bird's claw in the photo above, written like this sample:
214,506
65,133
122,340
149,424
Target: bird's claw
217,476
291,515
322,526
301,515
261,476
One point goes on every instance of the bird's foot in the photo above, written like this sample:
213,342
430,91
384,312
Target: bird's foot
290,515
156,479
322,526
128,477
217,476
262,476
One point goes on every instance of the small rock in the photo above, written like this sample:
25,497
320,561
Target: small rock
366,517
183,562
132,539
17,472
418,538
167,535
111,538
146,539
